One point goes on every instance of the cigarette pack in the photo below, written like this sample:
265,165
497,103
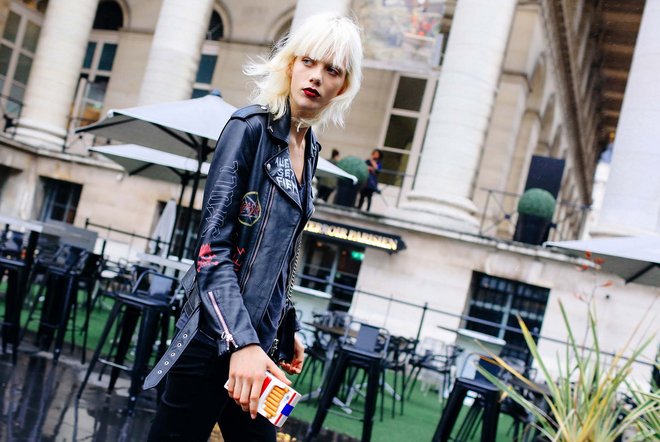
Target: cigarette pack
277,400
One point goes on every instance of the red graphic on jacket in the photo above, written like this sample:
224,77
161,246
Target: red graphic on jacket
237,258
205,258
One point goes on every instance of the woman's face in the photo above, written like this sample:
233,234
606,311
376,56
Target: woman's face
313,84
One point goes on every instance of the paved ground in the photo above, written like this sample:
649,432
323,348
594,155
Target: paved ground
38,403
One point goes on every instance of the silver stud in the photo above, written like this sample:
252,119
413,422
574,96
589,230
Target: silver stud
264,107
185,335
172,354
178,344
160,371
268,166
166,363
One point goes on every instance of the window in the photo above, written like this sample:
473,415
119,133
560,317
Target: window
109,16
500,301
17,47
97,65
209,58
204,75
60,200
216,28
332,268
405,128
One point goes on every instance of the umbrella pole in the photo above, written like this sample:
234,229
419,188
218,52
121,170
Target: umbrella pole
184,183
200,159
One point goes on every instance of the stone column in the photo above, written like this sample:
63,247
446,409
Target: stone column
306,8
55,71
175,51
460,115
632,197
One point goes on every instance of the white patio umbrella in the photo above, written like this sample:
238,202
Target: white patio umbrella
151,163
159,165
635,259
179,127
164,228
175,127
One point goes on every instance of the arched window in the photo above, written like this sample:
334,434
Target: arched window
216,28
109,16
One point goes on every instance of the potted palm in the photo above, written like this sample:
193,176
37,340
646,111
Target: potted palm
346,190
536,208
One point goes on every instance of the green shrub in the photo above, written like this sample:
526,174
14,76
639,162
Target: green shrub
537,202
355,166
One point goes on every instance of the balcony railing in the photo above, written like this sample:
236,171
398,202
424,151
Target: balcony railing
500,215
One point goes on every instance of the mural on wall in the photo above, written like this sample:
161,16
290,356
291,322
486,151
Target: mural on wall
402,33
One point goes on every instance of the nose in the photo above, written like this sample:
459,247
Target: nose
315,76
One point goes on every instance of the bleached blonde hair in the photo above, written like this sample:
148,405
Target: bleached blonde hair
327,36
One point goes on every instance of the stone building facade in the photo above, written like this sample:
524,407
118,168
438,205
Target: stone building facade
470,100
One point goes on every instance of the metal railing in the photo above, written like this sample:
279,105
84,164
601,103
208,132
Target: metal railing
499,216
425,308
159,243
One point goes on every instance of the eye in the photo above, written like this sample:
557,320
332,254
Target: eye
307,61
334,71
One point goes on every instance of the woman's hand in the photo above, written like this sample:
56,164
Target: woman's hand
296,364
247,371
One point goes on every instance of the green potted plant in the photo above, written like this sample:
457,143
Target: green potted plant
346,190
536,208
583,402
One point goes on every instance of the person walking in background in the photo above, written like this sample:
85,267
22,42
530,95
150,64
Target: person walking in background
327,185
257,200
374,164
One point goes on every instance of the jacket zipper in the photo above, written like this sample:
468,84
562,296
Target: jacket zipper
259,238
226,335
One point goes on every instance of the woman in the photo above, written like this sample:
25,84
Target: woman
257,200
374,165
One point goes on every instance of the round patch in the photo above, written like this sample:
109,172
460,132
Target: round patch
250,211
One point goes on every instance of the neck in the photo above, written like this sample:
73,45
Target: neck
298,130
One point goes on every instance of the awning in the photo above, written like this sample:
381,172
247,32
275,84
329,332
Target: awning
635,259
354,235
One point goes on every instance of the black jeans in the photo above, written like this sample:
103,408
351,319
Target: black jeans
195,399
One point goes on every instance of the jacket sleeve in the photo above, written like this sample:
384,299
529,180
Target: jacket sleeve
227,181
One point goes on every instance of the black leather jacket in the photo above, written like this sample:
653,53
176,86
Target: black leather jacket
252,217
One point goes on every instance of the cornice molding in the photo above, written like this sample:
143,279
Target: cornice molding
554,20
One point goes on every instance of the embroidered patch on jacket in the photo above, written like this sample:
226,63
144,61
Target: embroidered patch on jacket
220,199
250,210
205,258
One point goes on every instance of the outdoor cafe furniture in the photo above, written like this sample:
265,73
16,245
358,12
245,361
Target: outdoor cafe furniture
61,284
442,364
16,260
366,352
328,329
487,402
399,353
151,302
13,266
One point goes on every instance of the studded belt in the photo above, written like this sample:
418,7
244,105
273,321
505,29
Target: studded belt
178,345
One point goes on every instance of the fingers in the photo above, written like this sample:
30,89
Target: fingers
279,374
254,396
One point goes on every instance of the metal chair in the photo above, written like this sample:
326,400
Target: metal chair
364,347
151,303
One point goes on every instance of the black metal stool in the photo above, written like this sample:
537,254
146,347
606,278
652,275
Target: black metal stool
60,300
151,306
367,353
15,271
488,400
